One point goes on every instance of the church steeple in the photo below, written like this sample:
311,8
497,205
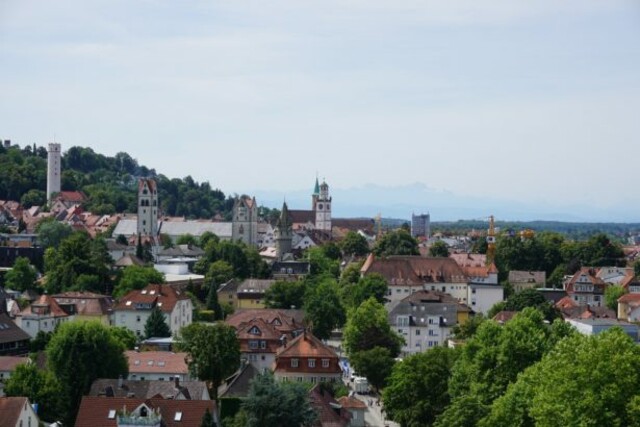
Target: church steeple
316,189
283,234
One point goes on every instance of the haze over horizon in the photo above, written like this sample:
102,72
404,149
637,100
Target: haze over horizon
524,110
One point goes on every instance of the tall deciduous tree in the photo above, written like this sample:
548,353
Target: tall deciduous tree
271,404
22,276
40,386
214,352
135,277
611,295
78,354
372,285
416,392
51,232
375,364
397,242
323,308
439,249
156,325
368,327
285,295
354,244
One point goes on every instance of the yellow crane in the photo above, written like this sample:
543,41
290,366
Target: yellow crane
491,241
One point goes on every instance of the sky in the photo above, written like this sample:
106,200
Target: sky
534,102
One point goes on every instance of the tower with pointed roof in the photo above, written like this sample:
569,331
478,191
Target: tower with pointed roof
322,206
283,233
245,220
147,207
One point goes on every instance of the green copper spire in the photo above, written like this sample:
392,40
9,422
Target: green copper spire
316,190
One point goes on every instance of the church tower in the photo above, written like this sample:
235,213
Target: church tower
283,233
245,220
54,162
147,207
322,207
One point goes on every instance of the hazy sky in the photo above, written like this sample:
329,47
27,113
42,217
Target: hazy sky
528,100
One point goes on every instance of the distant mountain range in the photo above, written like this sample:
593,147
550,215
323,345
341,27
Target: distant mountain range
401,201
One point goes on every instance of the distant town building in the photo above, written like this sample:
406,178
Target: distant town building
421,225
147,208
319,217
245,220
54,164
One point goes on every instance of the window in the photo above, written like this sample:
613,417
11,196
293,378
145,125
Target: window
253,344
178,416
312,363
431,333
325,363
263,344
294,363
137,318
417,332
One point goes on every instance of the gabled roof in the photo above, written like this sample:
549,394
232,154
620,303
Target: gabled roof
127,260
285,321
255,286
306,345
351,403
504,316
71,196
45,301
157,362
414,270
297,216
164,296
330,412
469,260
86,303
10,409
95,411
633,299
538,277
238,384
190,390
151,184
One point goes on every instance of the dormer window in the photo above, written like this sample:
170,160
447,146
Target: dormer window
254,331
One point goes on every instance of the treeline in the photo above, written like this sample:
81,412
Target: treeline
110,183
572,230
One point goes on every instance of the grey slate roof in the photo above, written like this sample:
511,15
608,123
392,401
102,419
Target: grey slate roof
238,384
538,277
419,312
188,390
129,227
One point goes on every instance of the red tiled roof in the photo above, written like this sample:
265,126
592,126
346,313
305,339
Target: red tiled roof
9,363
71,196
86,303
469,260
351,403
285,321
267,332
324,404
504,316
45,300
10,410
150,183
161,362
414,270
631,299
306,345
589,274
94,411
165,296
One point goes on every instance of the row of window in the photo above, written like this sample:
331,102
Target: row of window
312,380
310,362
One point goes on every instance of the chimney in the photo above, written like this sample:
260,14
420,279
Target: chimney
120,381
177,381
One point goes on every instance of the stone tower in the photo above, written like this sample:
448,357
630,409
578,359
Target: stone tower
245,220
283,233
54,163
322,207
147,207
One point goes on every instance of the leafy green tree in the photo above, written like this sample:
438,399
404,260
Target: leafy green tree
529,298
332,251
165,241
33,197
416,391
368,327
213,352
351,274
463,411
40,341
636,268
156,325
283,294
469,328
323,308
207,420
584,381
135,277
78,354
186,239
375,364
272,404
321,264
22,276
219,272
51,233
439,249
611,295
125,336
354,244
122,240
372,285
397,242
40,386
75,256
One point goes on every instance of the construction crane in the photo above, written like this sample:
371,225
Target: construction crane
491,241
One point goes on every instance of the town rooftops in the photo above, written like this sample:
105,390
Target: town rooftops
239,383
517,276
189,390
164,296
10,410
45,305
254,286
160,362
414,270
306,345
10,363
104,412
86,303
285,321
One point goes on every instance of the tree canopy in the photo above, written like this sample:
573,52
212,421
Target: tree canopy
439,249
368,327
397,242
135,277
156,325
22,276
323,308
354,244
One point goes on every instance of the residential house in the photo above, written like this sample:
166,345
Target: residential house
329,412
629,307
615,275
148,389
286,322
44,314
228,293
128,260
17,412
134,412
424,319
585,288
504,316
307,359
13,340
250,293
290,270
8,365
133,310
157,365
408,274
86,305
571,309
259,343
521,280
